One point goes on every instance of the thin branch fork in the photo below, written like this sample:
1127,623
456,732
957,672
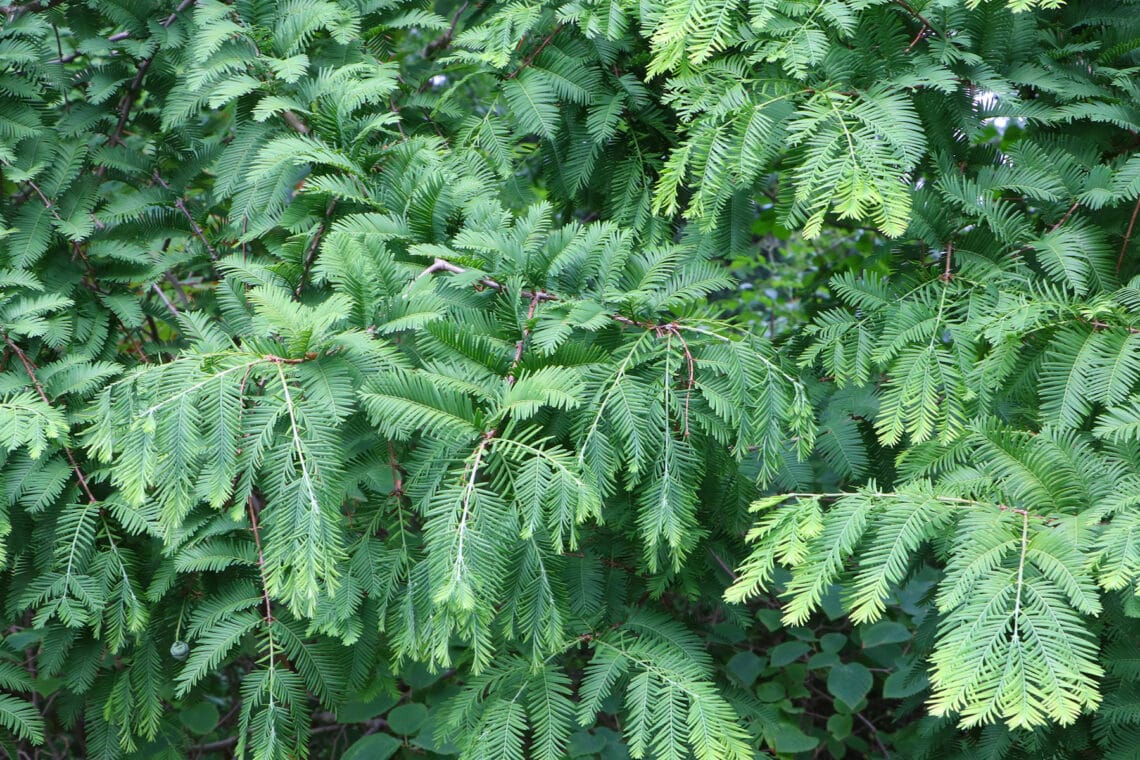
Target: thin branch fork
922,19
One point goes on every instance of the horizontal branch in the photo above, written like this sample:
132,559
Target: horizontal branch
443,265
949,500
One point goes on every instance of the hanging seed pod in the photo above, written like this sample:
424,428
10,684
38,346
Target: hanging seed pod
179,650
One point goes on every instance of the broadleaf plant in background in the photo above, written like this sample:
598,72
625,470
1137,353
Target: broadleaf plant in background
375,381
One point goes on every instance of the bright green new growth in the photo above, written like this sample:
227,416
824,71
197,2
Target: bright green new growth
352,341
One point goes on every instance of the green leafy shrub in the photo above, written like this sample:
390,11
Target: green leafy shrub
370,388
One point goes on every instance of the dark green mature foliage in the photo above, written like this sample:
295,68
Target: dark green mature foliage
365,379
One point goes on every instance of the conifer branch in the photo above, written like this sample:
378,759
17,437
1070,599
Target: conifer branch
974,385
443,265
295,122
201,384
15,11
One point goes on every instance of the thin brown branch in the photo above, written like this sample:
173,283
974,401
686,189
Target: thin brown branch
724,566
917,36
443,265
1127,236
295,123
30,368
874,735
1065,218
126,104
46,201
311,251
397,475
254,510
178,290
197,230
534,302
949,259
535,53
272,359
165,301
173,281
922,19
135,87
435,46
166,22
1097,324
214,746
15,11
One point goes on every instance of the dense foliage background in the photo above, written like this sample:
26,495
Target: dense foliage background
384,378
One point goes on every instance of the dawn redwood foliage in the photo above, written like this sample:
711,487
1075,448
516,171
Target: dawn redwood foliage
368,377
